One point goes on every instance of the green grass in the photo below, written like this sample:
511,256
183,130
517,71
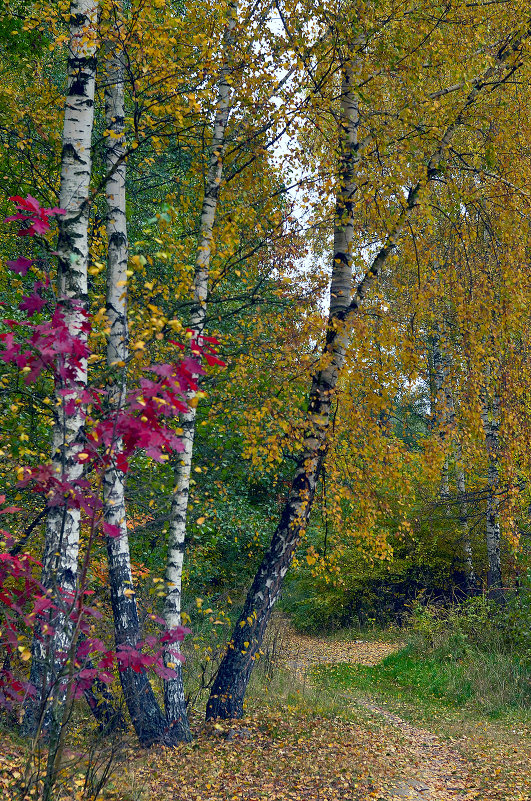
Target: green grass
491,684
399,675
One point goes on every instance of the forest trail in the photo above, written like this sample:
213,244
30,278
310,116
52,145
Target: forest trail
440,773
299,652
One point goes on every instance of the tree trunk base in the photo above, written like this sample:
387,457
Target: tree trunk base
178,730
148,722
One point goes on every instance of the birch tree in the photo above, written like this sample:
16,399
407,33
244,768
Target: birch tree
174,698
228,690
142,705
226,698
490,417
61,549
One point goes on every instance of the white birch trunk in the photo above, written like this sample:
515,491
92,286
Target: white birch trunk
445,412
62,527
174,699
490,416
116,307
142,705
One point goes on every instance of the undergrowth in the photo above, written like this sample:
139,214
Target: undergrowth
475,656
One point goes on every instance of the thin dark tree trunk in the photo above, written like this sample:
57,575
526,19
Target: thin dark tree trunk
447,425
460,481
491,426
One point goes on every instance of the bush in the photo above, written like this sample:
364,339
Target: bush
487,643
475,624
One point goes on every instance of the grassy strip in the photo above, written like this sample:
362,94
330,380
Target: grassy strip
493,685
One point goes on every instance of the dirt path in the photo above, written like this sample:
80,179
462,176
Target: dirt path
439,772
300,652
442,772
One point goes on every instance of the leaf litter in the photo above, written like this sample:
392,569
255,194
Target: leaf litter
295,751
299,747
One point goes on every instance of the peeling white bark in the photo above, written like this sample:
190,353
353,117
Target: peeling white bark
62,527
117,343
173,688
142,705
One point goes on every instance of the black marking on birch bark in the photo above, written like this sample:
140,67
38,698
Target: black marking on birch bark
70,153
342,257
82,64
117,239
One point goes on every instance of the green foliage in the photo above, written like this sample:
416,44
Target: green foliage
14,39
478,624
368,592
229,522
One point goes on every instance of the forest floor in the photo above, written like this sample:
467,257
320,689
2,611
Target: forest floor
457,757
301,742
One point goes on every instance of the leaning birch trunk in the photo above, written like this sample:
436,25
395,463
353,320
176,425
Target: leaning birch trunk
59,574
140,700
228,690
490,416
174,698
